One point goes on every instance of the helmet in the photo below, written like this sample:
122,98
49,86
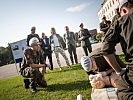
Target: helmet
34,41
86,63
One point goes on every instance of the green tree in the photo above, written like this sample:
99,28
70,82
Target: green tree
5,56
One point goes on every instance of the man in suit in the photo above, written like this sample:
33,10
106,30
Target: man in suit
33,34
69,38
84,36
47,49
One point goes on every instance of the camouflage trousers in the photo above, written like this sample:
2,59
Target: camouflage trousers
125,92
60,50
33,76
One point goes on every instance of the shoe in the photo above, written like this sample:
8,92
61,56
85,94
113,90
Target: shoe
26,83
33,90
43,84
60,68
26,87
76,62
72,63
69,66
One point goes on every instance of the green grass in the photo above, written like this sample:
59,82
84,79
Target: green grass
62,85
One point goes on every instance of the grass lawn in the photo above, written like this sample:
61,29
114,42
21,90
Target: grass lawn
62,85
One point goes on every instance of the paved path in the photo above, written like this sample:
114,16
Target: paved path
10,70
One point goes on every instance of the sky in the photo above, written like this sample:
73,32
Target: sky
18,16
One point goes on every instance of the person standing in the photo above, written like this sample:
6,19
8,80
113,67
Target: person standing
69,38
33,34
84,36
116,17
47,49
56,46
104,25
32,61
121,32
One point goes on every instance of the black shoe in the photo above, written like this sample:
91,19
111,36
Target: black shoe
26,87
33,90
43,84
26,83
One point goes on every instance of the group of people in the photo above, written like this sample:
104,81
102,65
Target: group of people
103,66
41,48
102,63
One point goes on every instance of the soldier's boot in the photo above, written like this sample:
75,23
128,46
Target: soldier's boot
26,83
42,83
33,90
33,86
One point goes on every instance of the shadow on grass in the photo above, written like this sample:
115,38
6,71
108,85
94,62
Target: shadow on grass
77,85
65,68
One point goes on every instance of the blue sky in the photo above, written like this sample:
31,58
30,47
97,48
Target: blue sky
18,16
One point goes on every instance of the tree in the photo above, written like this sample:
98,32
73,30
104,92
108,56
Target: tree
6,56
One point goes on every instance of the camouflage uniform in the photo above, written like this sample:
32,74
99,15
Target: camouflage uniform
34,74
122,32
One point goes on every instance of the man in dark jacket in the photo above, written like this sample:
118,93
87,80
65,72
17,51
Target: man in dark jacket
121,32
69,38
84,36
33,34
104,25
47,49
116,17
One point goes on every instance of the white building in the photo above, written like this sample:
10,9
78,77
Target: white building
108,9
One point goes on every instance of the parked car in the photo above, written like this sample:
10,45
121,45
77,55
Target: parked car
93,41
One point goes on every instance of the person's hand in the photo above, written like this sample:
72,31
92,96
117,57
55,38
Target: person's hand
91,77
115,80
97,81
81,38
46,48
102,73
49,66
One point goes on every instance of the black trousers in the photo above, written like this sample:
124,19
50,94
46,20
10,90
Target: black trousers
72,51
49,55
86,49
125,92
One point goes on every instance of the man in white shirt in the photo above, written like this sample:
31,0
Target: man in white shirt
56,45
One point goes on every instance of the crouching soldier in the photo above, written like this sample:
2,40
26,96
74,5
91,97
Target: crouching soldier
32,61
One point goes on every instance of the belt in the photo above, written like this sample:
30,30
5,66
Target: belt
57,46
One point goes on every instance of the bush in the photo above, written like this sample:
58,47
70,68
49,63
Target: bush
99,37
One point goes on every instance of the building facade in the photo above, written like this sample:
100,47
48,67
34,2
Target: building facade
108,9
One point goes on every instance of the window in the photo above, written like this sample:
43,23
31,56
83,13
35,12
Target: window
109,14
110,4
107,17
105,9
113,2
112,13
